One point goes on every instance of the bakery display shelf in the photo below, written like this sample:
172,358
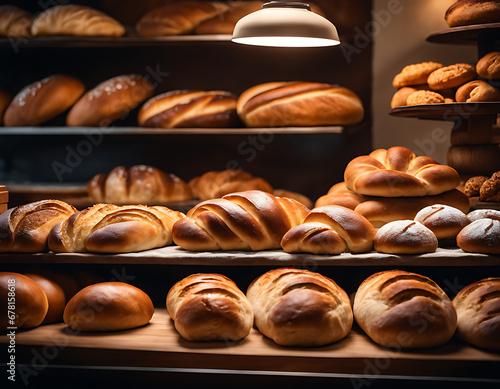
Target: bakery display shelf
158,345
466,34
448,112
476,204
174,255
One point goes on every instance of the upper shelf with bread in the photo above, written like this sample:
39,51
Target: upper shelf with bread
471,34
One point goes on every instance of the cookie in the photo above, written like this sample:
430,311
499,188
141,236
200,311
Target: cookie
490,190
473,184
415,74
424,97
451,76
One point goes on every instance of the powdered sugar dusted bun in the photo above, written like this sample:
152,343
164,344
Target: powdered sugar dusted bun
481,236
443,220
483,214
405,237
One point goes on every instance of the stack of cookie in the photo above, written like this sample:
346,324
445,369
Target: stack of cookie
487,188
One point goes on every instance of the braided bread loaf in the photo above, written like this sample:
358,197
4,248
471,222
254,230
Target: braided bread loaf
27,227
296,307
331,229
398,172
209,307
107,228
251,220
140,184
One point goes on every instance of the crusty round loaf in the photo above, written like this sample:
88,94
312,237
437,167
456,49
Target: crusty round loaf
331,229
477,306
420,97
224,22
43,100
451,76
278,104
29,304
55,297
488,66
483,214
109,101
405,237
474,159
467,12
400,96
398,172
15,22
400,310
77,20
296,307
108,306
445,221
481,236
183,108
5,99
206,307
415,74
477,91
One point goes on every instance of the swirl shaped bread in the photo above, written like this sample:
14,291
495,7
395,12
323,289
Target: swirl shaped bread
186,108
466,12
331,229
15,22
56,297
481,236
478,313
108,306
278,104
445,221
178,18
76,20
26,228
215,184
43,100
405,237
139,184
296,307
398,172
5,99
399,309
31,304
110,100
206,307
107,228
252,220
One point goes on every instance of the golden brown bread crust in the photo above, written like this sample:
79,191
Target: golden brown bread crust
415,74
31,303
331,229
398,172
183,109
77,20
43,100
445,221
473,185
224,22
296,307
478,313
107,228
398,309
400,96
207,307
252,220
481,236
277,104
482,159
477,91
108,306
405,237
55,297
451,76
139,184
110,100
424,97
467,12
488,67
5,99
178,18
215,184
294,195
26,227
15,22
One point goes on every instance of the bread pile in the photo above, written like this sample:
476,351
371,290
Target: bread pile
469,12
487,188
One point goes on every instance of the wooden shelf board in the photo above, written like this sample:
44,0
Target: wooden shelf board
465,34
447,112
159,345
174,255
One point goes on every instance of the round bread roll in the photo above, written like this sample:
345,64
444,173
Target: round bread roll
28,305
206,307
446,222
77,20
490,190
405,237
108,306
109,101
415,74
399,98
296,307
399,309
182,109
15,22
477,306
479,214
424,97
398,172
488,67
43,100
5,99
55,296
278,104
467,12
475,159
451,76
477,91
481,236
